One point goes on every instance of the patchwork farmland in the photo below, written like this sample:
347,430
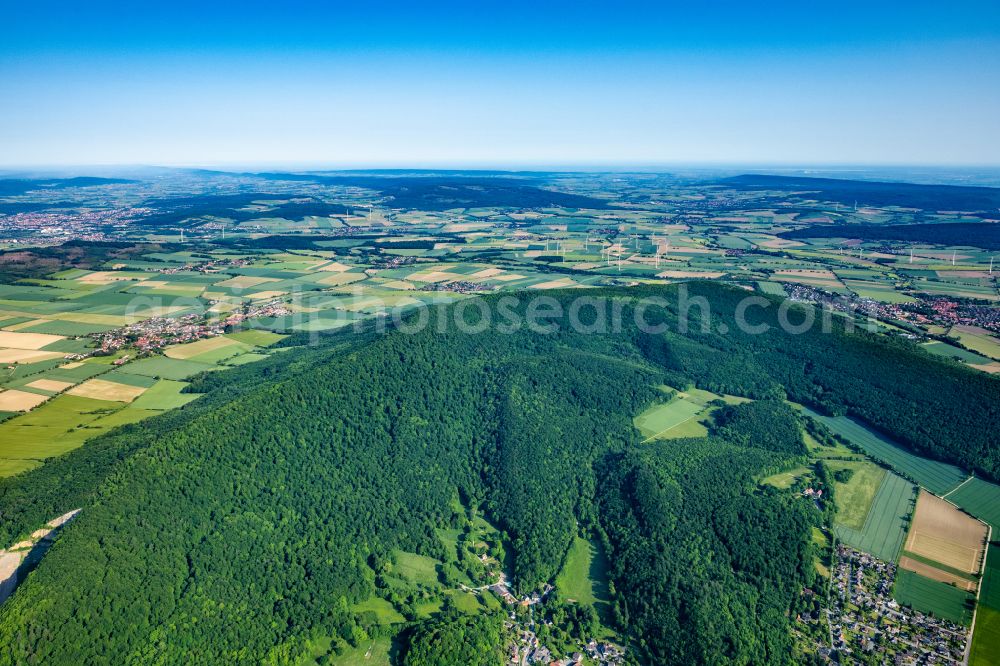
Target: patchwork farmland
942,533
885,525
933,597
937,477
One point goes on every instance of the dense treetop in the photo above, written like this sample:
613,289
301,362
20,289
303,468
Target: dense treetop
240,526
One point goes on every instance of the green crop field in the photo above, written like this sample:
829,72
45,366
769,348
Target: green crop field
167,368
977,339
930,596
982,500
69,328
937,477
986,636
885,526
256,338
164,394
950,351
990,591
58,426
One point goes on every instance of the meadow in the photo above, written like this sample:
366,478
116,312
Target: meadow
855,498
658,420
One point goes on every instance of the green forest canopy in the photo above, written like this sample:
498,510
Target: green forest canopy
250,521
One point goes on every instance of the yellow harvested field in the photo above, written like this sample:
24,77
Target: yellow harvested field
70,366
242,281
399,284
15,340
781,242
466,226
934,573
26,355
484,274
102,319
262,295
336,279
964,274
334,266
107,277
555,284
433,276
49,385
20,401
221,306
190,349
943,533
102,389
508,277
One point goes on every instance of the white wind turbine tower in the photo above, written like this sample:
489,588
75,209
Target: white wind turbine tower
953,253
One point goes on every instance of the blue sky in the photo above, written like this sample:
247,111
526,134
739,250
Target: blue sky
499,84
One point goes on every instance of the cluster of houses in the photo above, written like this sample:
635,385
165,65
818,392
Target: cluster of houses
209,266
927,310
813,493
93,225
865,619
460,287
529,650
158,332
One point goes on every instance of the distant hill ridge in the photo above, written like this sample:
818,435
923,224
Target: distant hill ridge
876,193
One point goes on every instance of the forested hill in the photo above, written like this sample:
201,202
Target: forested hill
238,527
975,234
875,193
